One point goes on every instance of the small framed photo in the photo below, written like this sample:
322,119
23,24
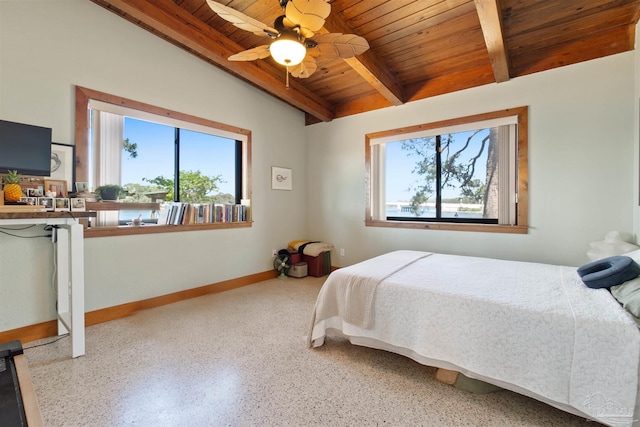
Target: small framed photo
57,186
34,192
78,204
281,178
82,187
31,201
47,202
61,204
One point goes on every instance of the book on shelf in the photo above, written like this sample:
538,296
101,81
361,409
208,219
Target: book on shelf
181,213
163,215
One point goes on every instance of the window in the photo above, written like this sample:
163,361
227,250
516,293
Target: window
463,174
158,156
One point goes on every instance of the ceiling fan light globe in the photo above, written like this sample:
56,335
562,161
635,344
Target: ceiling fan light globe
287,52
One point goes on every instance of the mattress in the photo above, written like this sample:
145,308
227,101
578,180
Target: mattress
532,328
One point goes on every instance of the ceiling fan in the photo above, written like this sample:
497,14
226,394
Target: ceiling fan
292,33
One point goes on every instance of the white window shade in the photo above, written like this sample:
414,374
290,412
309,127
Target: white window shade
507,161
108,136
378,202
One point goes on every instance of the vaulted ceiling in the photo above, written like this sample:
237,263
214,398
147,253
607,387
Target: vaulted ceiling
418,48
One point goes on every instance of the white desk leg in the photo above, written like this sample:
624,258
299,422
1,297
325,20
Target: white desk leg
62,279
77,290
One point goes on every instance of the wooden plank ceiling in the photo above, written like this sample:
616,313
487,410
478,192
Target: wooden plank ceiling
418,48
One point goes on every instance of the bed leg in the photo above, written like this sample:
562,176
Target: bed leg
465,383
447,376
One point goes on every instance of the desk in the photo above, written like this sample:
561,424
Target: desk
69,247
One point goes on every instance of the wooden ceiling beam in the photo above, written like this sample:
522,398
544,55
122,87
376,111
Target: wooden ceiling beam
180,27
369,66
491,23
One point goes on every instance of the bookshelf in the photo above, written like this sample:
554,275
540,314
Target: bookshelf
175,217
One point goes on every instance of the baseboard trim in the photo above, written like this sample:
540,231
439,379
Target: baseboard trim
50,328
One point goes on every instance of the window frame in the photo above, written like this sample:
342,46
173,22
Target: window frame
522,214
85,95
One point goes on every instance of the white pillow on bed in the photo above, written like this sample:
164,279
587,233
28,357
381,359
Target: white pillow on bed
628,294
635,255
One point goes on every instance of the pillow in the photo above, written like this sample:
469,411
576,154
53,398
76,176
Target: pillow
609,272
634,255
612,245
628,294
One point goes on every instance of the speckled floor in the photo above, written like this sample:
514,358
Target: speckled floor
239,358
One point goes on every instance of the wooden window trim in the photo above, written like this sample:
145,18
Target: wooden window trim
84,95
522,226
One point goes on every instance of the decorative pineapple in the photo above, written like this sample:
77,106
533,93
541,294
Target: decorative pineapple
12,189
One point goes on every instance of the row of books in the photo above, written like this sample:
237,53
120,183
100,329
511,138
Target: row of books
180,213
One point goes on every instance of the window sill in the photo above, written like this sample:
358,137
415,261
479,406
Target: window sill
485,228
122,206
155,229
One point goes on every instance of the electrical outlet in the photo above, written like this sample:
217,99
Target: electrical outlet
274,252
341,251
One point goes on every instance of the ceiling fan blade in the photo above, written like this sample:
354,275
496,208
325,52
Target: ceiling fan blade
337,45
241,20
308,15
304,69
259,52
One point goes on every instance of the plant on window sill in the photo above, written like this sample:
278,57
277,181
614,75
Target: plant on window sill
109,192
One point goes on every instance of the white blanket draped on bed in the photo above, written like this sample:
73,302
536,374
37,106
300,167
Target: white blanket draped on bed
352,296
533,328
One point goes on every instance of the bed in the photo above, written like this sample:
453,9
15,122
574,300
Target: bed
532,328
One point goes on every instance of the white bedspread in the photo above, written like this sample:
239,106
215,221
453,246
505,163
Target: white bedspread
352,295
533,328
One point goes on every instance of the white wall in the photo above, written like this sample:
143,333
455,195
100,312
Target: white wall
49,46
581,166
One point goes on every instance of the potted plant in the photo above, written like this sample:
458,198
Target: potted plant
109,191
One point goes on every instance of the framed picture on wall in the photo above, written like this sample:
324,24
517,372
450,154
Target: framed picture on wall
63,159
281,178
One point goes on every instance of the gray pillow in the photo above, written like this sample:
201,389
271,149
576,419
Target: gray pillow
628,294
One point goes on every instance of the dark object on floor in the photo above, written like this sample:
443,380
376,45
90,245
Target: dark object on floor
11,405
318,266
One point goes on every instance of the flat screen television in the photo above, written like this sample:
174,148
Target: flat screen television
25,148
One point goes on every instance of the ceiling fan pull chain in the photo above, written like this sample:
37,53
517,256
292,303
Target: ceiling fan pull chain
287,71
